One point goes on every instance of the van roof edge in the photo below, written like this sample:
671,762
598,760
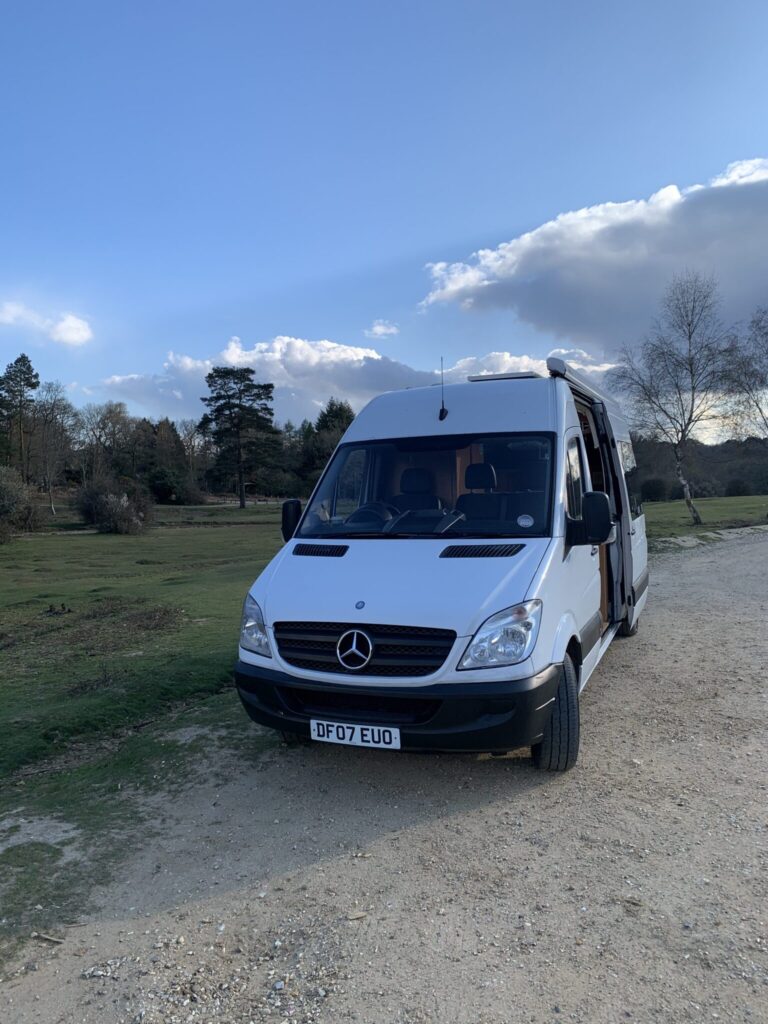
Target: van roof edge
528,374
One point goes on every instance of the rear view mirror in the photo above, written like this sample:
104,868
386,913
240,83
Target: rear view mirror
596,513
291,517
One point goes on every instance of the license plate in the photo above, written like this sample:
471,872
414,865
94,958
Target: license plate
355,735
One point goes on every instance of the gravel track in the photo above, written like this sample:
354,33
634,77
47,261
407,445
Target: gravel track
331,884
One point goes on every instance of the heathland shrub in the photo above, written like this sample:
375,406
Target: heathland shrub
115,507
736,488
171,488
17,511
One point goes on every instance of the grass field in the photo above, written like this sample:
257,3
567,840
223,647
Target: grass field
672,519
99,632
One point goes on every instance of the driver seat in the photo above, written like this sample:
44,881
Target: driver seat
417,487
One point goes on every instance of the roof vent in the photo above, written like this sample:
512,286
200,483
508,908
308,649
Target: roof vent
321,550
481,550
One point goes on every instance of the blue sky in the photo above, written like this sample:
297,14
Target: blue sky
175,175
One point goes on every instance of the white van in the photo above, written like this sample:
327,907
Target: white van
461,568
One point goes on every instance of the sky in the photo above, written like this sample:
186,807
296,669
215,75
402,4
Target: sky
340,194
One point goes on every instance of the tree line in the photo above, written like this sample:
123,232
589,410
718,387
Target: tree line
105,455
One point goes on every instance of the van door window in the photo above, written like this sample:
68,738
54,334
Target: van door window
629,465
574,479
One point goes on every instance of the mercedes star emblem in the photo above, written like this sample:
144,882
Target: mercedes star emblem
354,649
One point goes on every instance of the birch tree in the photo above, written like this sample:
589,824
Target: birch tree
679,378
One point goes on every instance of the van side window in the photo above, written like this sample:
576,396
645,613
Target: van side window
574,479
629,465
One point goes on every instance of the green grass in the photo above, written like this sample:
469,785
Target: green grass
101,632
672,519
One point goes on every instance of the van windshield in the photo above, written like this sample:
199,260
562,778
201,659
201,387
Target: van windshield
465,485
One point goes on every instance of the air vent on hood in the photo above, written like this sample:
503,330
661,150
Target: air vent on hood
481,550
322,550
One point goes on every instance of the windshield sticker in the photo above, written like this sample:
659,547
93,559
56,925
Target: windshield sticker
525,521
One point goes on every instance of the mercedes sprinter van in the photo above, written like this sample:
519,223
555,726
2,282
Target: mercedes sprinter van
466,558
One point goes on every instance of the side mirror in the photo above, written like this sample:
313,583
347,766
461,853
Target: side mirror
596,514
291,517
595,524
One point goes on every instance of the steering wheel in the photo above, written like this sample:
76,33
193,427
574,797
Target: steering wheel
373,512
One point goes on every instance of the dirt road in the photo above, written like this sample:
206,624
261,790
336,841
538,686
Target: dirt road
328,884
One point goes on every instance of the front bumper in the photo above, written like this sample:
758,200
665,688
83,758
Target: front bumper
471,717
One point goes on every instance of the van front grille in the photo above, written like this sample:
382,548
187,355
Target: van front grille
397,650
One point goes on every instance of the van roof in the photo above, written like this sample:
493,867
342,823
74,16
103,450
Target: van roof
506,403
500,406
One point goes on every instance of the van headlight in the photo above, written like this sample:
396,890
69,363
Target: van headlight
505,639
253,632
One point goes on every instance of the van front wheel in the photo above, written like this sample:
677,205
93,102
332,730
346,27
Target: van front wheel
626,630
558,750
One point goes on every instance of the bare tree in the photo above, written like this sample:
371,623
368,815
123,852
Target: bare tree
750,375
192,441
105,431
679,378
54,421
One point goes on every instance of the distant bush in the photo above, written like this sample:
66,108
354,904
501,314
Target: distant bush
654,489
12,492
170,488
114,507
707,488
29,517
699,489
17,511
736,487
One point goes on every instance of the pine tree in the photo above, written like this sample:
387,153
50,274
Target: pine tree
239,417
16,386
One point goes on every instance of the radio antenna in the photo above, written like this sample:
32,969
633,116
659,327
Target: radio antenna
443,411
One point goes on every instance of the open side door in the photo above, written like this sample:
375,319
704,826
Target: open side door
623,596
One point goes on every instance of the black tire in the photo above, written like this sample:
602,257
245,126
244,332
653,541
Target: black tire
559,748
626,630
293,739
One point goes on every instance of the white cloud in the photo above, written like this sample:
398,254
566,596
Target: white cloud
71,330
17,314
307,373
67,329
594,276
382,329
742,172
